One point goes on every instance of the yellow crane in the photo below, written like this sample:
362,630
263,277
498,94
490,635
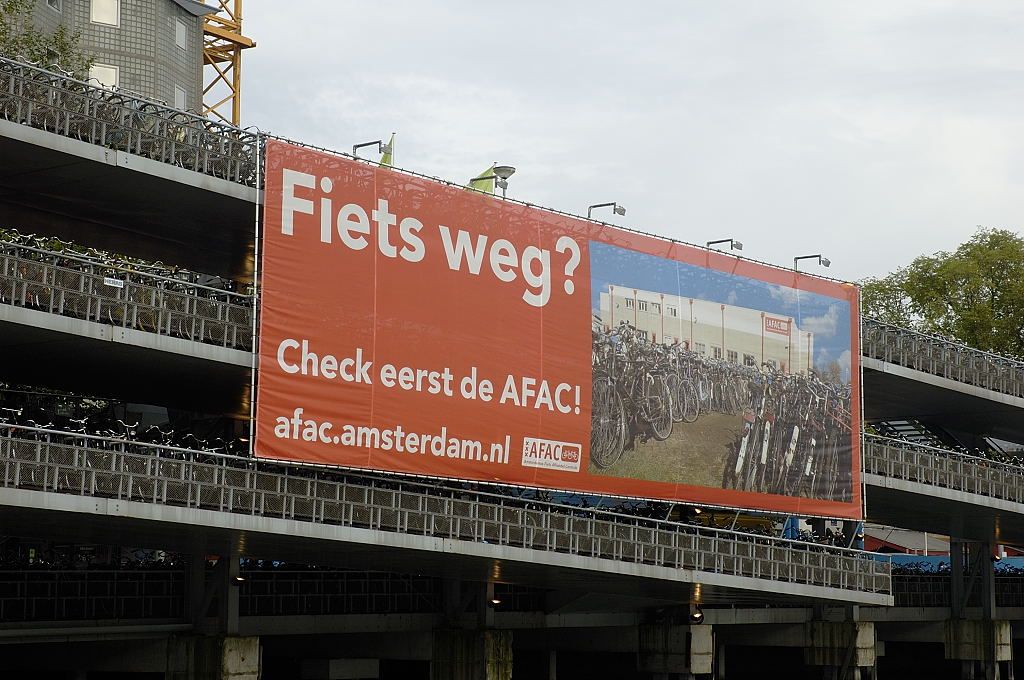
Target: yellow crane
223,43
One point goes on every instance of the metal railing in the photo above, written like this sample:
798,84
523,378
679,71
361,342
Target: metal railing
59,462
67,285
941,357
281,592
899,459
56,102
61,595
111,292
935,590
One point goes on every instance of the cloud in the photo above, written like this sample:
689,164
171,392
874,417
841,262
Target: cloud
844,363
823,326
789,297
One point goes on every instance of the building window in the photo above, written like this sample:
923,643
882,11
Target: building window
179,98
749,360
180,34
104,74
54,5
656,307
641,305
671,311
716,351
629,303
701,348
643,334
105,12
732,356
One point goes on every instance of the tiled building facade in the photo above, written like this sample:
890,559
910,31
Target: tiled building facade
150,47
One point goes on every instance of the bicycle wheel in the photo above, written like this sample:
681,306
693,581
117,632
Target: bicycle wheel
674,383
607,424
729,473
689,400
734,399
828,476
755,469
656,407
793,481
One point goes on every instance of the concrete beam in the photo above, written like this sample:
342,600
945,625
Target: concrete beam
91,330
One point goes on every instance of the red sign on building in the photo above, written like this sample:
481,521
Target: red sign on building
773,325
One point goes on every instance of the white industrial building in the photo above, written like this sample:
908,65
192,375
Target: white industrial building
737,334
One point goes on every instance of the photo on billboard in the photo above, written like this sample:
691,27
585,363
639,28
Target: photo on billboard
420,328
704,378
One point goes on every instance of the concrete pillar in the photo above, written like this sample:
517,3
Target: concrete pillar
471,655
984,648
193,657
846,647
666,649
702,650
987,569
227,574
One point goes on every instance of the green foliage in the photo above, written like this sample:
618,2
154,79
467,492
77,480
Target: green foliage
886,298
19,38
974,294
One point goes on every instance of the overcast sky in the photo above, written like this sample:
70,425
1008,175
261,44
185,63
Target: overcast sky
872,132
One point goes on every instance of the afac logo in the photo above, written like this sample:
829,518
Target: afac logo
553,455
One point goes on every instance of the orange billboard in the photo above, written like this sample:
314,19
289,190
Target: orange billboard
420,328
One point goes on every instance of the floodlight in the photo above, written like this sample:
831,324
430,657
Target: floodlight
616,208
822,260
733,243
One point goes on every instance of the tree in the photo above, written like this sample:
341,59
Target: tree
974,294
20,39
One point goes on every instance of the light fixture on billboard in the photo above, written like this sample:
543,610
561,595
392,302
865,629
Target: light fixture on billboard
733,243
616,208
500,175
503,172
822,260
382,148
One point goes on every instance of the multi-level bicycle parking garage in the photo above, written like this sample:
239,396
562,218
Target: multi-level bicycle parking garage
107,299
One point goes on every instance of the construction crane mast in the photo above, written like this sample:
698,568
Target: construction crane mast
223,43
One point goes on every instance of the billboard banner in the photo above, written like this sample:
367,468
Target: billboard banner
420,328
